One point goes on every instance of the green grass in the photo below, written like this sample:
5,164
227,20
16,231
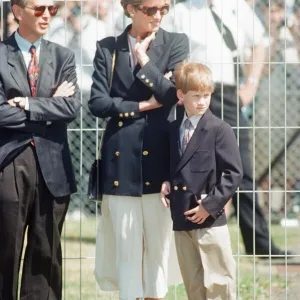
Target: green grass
79,250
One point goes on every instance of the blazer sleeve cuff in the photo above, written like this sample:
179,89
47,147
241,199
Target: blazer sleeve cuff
150,76
211,206
129,110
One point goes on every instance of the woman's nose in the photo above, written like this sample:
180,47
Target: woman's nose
157,15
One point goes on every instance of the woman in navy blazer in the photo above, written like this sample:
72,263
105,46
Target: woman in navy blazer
134,231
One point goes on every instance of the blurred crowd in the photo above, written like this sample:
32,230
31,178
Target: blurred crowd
99,18
79,24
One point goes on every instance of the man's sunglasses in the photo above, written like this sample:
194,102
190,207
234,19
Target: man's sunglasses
40,10
152,10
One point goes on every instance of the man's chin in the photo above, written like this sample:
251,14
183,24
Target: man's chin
43,31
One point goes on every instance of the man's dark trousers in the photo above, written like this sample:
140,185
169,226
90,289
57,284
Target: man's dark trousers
245,207
26,200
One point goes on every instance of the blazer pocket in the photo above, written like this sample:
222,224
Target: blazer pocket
200,161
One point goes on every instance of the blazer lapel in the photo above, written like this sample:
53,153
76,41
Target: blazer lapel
122,60
155,49
176,140
45,70
17,67
194,144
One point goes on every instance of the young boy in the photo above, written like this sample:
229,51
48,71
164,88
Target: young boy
206,170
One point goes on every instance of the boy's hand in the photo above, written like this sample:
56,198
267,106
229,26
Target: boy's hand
199,214
165,190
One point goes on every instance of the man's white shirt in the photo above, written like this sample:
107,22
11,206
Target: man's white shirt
207,46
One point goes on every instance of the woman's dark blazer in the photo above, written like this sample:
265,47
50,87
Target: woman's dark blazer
135,149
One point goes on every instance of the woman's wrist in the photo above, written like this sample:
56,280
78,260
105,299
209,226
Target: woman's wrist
143,60
144,105
148,105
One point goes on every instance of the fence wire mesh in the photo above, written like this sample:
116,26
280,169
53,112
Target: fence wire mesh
273,125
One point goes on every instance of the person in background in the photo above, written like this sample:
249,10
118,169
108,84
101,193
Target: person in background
278,104
135,231
80,33
11,23
111,13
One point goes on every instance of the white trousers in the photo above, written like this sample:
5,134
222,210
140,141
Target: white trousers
132,247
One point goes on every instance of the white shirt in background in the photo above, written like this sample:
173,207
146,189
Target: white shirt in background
207,46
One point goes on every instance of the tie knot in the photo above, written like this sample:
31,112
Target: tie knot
187,124
32,50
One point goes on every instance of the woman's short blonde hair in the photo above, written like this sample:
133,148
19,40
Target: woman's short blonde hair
124,4
191,76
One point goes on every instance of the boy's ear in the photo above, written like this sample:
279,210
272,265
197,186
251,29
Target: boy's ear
180,95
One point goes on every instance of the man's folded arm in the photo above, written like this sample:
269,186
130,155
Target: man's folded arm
15,118
57,108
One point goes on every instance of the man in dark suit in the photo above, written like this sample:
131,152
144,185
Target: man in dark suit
38,98
206,170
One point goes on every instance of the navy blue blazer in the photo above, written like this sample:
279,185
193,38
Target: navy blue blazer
18,127
210,165
135,150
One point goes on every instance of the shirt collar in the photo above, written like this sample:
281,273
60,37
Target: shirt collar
24,45
194,119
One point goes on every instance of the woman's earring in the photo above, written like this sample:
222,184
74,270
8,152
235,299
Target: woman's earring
131,15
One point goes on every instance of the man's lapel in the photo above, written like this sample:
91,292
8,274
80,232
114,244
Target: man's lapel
46,71
17,67
194,142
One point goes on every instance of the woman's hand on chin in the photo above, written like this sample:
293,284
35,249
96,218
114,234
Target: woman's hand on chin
141,47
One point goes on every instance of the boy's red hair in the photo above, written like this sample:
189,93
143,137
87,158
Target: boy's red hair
191,76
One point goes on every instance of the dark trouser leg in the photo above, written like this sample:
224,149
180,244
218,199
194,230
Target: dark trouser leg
25,200
246,205
245,199
42,270
17,186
